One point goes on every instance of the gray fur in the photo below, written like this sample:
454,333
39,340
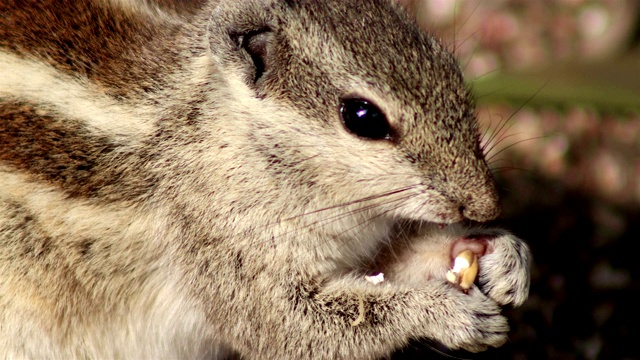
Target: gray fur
157,201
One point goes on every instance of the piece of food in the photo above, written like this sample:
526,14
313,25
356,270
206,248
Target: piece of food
375,279
465,269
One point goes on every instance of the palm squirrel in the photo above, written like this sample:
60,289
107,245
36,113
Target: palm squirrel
179,179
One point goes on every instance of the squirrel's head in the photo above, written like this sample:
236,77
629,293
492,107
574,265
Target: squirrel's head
352,103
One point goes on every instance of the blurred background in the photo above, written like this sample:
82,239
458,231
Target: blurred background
558,91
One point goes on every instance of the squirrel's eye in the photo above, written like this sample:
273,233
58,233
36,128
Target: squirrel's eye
364,119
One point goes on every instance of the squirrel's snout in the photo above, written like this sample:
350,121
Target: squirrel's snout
481,214
475,190
481,206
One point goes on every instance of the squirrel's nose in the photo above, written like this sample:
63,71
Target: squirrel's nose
482,206
480,215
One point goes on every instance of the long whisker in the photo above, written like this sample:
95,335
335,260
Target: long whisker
368,198
396,207
512,145
349,213
378,177
497,69
486,131
503,126
508,168
494,145
470,56
457,30
364,223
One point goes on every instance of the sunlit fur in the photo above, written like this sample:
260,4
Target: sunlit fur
159,201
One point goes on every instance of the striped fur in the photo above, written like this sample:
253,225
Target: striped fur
175,181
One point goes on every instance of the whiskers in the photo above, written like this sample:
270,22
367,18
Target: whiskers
348,227
327,216
489,145
358,201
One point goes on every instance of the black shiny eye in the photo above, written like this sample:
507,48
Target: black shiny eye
364,119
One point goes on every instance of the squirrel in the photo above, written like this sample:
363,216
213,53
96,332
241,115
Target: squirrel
185,179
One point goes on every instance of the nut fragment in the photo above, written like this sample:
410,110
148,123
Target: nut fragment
465,269
375,279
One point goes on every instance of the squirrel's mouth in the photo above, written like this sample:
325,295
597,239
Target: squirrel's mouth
431,251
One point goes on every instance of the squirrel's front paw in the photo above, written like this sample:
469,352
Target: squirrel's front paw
471,321
504,270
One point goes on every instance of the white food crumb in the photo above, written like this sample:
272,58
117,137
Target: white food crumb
452,276
460,263
375,279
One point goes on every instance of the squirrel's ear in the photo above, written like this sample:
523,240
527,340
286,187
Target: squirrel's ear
241,38
259,46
